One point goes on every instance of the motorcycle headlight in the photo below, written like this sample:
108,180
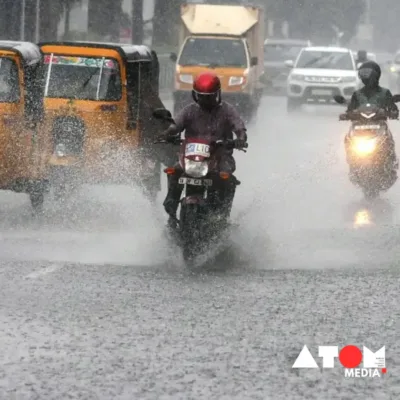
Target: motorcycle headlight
196,169
363,146
61,150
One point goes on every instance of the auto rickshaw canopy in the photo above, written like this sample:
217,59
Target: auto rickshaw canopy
128,52
30,53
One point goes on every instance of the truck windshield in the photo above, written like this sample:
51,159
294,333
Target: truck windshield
281,52
216,52
9,81
82,78
325,60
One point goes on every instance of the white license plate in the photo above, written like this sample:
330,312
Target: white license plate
321,92
195,182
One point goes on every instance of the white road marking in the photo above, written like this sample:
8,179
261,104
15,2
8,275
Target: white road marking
44,271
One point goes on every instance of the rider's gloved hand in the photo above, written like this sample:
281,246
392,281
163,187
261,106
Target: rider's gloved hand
394,114
343,117
240,144
167,137
162,137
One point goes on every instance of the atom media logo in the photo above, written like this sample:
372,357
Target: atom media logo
350,357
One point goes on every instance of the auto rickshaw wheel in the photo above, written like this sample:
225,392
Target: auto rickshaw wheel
60,192
37,200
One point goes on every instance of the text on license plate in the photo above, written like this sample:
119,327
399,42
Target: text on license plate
195,182
321,92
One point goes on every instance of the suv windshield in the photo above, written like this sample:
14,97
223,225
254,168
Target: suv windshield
325,60
281,52
214,52
9,81
82,78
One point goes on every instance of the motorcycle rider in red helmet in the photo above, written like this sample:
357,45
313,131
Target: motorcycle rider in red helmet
210,118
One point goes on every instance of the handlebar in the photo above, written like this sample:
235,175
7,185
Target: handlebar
381,115
229,144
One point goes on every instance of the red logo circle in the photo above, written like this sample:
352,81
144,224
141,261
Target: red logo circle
350,356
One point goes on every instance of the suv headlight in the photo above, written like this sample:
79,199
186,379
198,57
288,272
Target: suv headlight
196,169
186,78
296,77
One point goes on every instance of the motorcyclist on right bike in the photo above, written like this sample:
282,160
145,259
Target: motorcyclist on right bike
373,93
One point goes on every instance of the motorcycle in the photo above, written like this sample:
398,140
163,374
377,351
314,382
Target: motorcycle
204,211
368,147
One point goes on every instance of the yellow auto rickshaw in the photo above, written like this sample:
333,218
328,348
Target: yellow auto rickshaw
100,98
22,124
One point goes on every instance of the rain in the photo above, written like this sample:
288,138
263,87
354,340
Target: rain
97,300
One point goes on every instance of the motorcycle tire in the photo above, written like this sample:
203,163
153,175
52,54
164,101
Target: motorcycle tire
190,231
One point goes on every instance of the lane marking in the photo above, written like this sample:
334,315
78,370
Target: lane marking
44,271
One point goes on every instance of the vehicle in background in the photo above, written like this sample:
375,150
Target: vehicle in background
370,56
276,52
23,125
394,72
100,98
318,74
227,39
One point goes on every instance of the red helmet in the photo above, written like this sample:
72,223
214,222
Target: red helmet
207,90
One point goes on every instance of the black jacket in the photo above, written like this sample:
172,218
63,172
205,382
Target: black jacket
378,96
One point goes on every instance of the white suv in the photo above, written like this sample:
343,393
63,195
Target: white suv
320,73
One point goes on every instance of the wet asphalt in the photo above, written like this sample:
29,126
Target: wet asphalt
94,303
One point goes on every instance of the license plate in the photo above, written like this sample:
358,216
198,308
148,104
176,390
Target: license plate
195,182
321,92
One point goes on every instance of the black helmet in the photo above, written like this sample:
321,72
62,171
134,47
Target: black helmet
362,56
370,73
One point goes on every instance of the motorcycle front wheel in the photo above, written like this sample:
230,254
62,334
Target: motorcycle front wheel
190,230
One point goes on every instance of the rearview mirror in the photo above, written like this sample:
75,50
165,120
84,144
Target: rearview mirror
173,57
162,113
396,98
339,99
289,63
253,61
